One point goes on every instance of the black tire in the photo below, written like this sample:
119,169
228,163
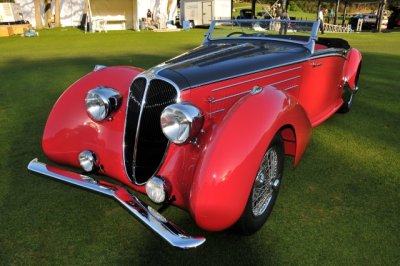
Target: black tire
266,185
348,99
349,94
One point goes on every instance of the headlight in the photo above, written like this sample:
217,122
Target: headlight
181,122
101,102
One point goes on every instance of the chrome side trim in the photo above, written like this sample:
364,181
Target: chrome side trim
291,87
216,112
331,52
230,96
145,214
283,81
258,78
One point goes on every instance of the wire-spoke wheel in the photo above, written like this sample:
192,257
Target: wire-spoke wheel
266,182
265,189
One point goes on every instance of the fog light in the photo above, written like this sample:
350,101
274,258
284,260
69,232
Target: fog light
87,160
156,189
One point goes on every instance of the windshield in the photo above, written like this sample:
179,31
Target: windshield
292,30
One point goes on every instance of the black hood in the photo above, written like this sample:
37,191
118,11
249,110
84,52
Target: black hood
216,61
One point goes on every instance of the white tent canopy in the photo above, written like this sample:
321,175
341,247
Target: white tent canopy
119,14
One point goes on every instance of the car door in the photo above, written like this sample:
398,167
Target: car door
321,87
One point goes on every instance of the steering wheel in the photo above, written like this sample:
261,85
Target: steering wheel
236,33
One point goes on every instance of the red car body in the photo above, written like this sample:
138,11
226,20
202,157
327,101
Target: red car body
248,90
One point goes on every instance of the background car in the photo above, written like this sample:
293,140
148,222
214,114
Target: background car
394,19
245,14
369,21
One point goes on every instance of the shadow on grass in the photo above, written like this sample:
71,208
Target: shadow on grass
376,114
347,186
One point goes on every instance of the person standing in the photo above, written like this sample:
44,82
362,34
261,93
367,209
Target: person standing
284,24
321,20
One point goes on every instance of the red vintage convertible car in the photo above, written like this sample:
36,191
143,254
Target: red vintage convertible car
206,131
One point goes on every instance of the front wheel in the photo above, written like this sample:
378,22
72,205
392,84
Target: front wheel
265,189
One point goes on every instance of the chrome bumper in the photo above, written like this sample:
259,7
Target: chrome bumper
145,214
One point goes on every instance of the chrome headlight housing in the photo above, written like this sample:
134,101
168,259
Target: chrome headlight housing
87,160
157,189
181,122
101,102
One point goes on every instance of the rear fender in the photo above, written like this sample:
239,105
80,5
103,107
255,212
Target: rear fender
352,68
229,163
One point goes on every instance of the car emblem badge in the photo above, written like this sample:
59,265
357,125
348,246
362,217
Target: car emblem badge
256,90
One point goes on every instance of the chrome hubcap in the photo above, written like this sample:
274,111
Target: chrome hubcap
267,181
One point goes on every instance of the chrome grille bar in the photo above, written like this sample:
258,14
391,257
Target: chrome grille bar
137,130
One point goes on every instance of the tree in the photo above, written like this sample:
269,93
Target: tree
57,13
285,4
380,14
337,11
38,16
47,11
344,12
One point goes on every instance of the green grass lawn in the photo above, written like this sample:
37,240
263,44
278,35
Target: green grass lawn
340,206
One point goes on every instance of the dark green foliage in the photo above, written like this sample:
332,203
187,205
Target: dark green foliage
294,7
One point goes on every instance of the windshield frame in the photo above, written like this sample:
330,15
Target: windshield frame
310,44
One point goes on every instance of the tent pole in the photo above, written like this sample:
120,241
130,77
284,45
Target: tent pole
135,17
89,15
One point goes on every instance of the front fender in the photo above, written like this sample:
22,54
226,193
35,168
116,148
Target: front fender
69,129
229,163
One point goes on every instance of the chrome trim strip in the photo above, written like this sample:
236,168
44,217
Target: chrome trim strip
291,87
254,79
317,55
145,214
216,112
230,96
144,75
283,81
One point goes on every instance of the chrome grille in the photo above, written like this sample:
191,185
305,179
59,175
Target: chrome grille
145,144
